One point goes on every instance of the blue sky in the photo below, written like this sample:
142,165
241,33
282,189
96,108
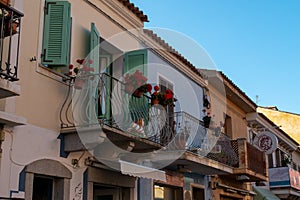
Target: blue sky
256,43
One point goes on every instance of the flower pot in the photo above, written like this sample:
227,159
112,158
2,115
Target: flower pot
137,93
78,83
154,101
206,121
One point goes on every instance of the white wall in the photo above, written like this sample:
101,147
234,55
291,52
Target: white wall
188,93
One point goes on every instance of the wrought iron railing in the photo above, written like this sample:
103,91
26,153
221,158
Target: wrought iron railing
10,23
225,151
102,99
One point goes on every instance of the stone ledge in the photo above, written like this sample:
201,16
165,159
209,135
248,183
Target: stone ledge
9,89
11,120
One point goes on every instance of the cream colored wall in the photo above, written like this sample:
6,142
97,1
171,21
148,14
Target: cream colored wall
42,92
239,124
288,122
219,104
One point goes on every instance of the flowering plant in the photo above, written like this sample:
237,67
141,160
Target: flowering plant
80,73
136,82
83,69
164,98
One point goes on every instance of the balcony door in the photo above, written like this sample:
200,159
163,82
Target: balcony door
107,194
168,131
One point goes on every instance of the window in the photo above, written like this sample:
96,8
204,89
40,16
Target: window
104,96
56,35
167,193
228,126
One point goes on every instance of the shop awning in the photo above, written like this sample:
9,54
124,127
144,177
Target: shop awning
135,170
264,194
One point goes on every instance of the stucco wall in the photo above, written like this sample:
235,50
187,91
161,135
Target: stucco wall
288,122
222,105
42,91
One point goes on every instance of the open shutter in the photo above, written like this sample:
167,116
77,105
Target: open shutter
56,36
95,57
139,107
136,60
95,48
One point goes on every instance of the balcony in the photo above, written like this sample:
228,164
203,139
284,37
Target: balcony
115,114
285,182
248,163
10,23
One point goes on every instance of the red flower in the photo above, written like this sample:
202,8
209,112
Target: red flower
156,88
149,88
169,92
71,66
80,61
168,96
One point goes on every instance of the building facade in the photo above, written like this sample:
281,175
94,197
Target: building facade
79,120
284,162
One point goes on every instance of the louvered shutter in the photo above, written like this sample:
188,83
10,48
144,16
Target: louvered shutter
56,36
94,56
136,60
139,107
95,48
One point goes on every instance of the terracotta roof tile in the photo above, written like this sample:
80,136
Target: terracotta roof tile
170,49
135,10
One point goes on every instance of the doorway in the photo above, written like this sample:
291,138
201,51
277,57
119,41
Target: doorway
198,193
111,193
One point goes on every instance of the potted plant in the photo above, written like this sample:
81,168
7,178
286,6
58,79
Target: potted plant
206,121
81,73
135,84
163,98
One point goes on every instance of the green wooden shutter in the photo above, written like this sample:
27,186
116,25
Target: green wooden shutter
94,55
56,36
95,48
137,60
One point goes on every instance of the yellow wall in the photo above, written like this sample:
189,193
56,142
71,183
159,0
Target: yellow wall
288,122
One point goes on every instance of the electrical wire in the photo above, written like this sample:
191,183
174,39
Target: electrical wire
10,150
